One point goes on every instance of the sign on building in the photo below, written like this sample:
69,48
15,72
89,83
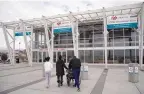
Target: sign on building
122,21
21,33
19,30
62,27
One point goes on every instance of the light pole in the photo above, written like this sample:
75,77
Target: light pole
19,46
18,54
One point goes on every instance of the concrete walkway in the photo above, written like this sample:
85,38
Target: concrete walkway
21,79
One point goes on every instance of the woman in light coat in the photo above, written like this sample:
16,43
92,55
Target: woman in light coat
48,68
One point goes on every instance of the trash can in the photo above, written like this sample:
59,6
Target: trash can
133,75
84,72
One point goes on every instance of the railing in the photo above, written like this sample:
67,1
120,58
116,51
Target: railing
87,42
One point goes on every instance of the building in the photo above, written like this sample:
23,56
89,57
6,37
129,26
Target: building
104,36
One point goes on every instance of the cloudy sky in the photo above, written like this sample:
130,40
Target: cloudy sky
25,9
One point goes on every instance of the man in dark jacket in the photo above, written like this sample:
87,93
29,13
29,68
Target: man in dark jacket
75,65
60,65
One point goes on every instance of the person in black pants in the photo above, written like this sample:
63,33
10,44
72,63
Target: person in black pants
75,65
60,65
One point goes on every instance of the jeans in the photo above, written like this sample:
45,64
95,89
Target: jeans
48,76
76,73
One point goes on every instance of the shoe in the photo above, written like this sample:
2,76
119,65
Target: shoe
78,89
74,85
59,85
47,86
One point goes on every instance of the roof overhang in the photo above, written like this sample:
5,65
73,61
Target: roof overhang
90,15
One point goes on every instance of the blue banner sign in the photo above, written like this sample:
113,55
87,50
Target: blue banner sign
122,21
124,25
62,30
62,27
21,33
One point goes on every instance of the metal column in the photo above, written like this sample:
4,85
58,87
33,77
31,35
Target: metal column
47,37
8,44
26,45
141,30
49,40
31,46
75,35
52,45
105,36
13,53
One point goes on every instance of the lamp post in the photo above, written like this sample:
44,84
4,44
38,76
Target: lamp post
19,47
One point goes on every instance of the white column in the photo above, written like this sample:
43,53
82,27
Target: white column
7,43
141,19
47,38
52,45
105,36
56,55
75,35
26,45
13,56
66,56
38,56
31,44
43,63
77,38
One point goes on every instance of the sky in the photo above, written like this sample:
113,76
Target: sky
11,10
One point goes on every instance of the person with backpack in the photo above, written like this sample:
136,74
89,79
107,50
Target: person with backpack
48,68
75,65
60,65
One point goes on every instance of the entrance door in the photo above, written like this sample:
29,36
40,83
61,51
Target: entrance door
63,54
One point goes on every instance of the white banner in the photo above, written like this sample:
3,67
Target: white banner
21,29
62,24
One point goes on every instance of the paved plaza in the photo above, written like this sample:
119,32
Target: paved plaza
22,79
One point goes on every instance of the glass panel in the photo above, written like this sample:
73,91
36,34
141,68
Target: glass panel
58,54
127,56
40,57
98,40
122,37
88,56
63,40
70,55
34,56
110,56
64,56
135,55
118,56
98,56
81,55
132,55
55,59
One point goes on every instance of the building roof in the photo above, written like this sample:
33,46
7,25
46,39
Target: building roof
80,16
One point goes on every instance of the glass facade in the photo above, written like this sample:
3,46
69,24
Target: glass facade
122,44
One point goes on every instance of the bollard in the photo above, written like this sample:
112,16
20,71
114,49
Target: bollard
84,72
133,75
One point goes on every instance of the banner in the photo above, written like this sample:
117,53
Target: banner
62,27
21,33
19,30
122,21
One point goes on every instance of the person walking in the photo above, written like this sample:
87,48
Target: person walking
60,65
75,65
48,68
